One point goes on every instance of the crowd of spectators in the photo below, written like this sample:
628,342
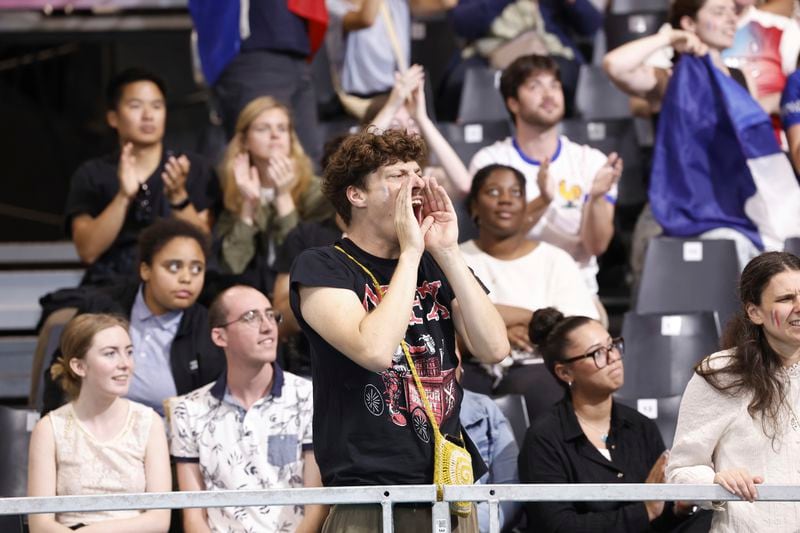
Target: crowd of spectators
301,371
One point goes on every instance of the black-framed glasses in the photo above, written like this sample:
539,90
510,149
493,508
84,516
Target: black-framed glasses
600,355
255,318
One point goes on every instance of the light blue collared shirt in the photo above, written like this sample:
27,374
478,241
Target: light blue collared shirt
152,338
490,431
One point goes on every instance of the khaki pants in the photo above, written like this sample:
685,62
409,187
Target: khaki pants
368,519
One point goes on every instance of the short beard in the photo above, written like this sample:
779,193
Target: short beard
532,119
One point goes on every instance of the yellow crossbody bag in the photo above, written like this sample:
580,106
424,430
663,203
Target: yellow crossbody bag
452,463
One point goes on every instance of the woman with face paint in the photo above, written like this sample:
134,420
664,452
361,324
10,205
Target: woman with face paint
738,424
695,27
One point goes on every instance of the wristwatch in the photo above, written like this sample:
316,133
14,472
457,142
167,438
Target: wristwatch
181,205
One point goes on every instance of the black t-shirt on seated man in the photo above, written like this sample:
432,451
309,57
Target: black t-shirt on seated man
370,428
93,187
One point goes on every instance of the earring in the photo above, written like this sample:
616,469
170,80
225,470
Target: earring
569,384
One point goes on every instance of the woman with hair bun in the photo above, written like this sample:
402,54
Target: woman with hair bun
588,437
99,442
738,422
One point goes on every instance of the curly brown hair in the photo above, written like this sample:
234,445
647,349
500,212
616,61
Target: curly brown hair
362,154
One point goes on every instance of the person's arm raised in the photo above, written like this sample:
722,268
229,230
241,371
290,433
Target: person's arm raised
597,226
370,339
626,65
453,166
476,319
94,235
404,84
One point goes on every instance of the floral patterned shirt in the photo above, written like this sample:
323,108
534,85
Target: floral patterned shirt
239,449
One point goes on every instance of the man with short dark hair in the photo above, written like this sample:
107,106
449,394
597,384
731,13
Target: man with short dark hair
249,430
396,288
571,188
112,198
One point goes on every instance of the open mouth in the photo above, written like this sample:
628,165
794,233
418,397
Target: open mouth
120,379
416,205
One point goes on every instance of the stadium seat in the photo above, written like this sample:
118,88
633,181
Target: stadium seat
792,246
15,433
621,28
631,6
46,345
597,98
687,275
662,349
467,139
332,128
664,411
536,384
514,409
619,136
480,99
433,44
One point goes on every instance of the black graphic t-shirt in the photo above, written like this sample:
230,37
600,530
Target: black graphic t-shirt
371,428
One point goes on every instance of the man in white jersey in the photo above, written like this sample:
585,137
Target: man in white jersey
571,188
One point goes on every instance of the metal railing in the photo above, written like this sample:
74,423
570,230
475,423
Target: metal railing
387,496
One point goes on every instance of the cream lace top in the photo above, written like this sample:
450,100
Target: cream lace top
715,432
85,465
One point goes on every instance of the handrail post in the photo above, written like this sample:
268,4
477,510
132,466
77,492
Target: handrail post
494,516
441,517
386,511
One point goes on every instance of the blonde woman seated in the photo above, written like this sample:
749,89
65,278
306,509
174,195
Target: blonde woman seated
98,443
268,187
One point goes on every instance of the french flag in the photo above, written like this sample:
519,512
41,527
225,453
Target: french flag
717,163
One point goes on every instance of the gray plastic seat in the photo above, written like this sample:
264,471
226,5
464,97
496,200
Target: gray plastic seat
15,434
630,6
688,275
661,351
614,135
665,411
597,98
792,245
480,98
466,139
514,408
621,28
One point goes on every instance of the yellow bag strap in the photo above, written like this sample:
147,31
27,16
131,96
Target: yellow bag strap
428,409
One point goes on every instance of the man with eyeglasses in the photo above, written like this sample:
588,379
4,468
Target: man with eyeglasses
113,197
249,430
395,289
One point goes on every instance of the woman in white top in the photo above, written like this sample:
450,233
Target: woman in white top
522,275
98,443
738,424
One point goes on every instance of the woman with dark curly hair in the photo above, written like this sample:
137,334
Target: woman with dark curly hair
738,424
